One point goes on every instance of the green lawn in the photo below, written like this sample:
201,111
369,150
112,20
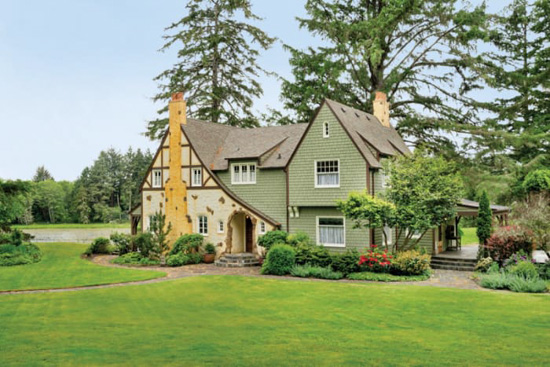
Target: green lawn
231,320
71,226
62,267
469,237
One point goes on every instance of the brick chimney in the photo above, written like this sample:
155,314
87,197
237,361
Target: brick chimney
381,108
175,190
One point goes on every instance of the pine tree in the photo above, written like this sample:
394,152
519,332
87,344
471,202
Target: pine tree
484,223
419,52
217,63
42,174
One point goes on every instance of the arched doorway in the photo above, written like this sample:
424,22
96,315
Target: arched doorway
241,230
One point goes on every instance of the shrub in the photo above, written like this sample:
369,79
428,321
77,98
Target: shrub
376,260
484,224
99,246
134,258
179,259
123,242
210,249
506,241
411,263
280,260
308,271
516,258
272,238
188,243
26,253
347,262
484,264
195,258
544,270
525,269
143,243
299,238
313,255
537,181
526,285
494,281
385,277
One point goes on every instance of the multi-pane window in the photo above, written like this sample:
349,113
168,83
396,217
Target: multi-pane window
220,226
157,178
331,231
262,227
244,173
197,177
327,174
203,224
326,130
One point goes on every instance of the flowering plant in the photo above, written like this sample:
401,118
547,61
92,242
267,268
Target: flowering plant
376,260
518,257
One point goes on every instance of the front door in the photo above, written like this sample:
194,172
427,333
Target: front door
249,235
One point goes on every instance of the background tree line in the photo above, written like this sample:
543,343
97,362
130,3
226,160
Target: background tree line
104,191
462,82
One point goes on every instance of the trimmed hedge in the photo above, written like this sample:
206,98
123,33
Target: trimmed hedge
186,244
280,260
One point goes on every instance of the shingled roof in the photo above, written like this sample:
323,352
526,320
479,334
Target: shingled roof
274,146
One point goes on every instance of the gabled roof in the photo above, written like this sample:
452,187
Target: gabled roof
216,144
368,133
496,209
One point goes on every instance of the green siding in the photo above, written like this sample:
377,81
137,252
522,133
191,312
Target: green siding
353,168
307,223
268,194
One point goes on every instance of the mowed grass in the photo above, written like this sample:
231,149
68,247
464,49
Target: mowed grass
245,321
469,236
62,267
71,225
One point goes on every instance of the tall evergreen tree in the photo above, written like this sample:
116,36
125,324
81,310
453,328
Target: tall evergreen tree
217,67
419,52
42,174
484,223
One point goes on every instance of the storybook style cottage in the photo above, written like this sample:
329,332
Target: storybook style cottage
233,184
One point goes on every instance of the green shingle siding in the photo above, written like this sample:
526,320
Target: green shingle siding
307,223
314,147
268,194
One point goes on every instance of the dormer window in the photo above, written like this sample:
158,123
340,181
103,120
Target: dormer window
243,173
326,130
157,178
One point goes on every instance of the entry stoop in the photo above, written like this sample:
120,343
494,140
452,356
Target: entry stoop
447,263
237,260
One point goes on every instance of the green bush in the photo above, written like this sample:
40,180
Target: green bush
537,181
526,285
134,258
280,260
123,242
195,258
544,270
524,269
186,244
410,262
272,238
27,253
494,281
177,260
484,264
308,271
144,243
385,277
299,238
313,255
347,262
210,249
5,238
99,246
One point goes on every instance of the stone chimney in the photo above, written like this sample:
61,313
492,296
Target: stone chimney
381,108
175,190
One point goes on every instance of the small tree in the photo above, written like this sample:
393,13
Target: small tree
484,223
534,215
423,193
160,233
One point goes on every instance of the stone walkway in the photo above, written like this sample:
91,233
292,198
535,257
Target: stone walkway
439,278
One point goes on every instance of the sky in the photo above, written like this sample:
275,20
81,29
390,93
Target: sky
76,76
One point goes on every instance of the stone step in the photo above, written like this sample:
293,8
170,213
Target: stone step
453,262
235,265
443,258
452,267
237,260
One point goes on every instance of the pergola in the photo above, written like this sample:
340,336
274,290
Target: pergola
470,208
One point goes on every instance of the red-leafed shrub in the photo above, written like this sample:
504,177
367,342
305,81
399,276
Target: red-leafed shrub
506,241
376,260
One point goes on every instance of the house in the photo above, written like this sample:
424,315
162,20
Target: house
232,184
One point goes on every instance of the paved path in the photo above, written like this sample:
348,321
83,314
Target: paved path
440,278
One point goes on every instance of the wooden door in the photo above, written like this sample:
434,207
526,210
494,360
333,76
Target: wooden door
249,235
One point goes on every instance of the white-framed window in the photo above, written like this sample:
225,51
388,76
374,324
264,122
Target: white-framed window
262,227
157,178
202,224
327,173
220,226
243,173
197,177
326,130
331,231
